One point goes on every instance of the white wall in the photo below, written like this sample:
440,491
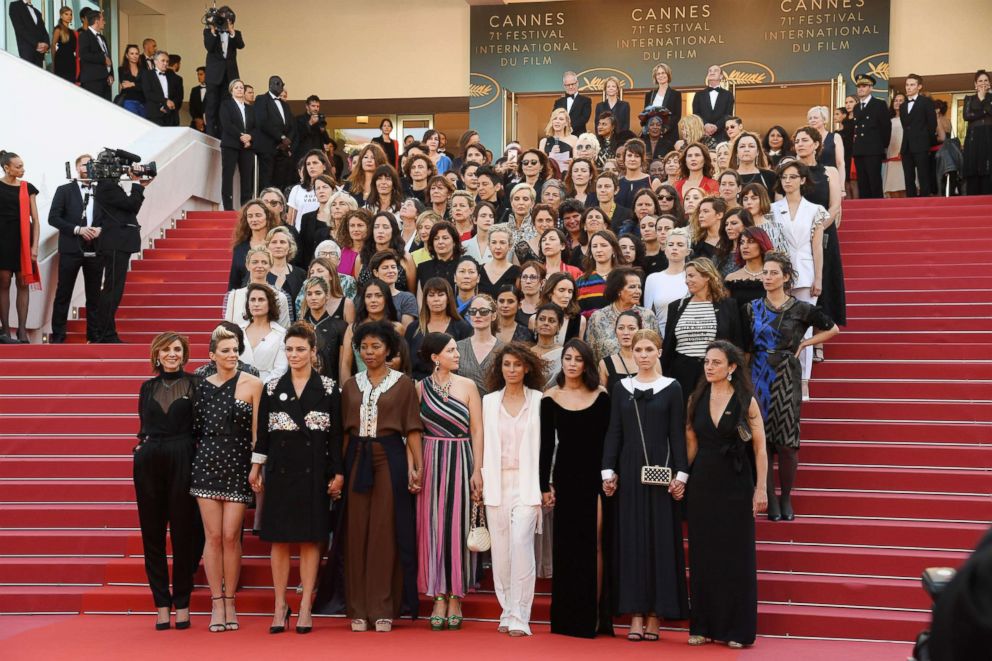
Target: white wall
71,122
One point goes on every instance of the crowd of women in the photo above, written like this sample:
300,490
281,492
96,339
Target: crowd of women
549,345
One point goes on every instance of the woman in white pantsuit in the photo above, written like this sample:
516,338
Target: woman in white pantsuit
510,475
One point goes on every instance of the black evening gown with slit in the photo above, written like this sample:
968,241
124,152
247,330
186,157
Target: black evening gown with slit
578,484
723,578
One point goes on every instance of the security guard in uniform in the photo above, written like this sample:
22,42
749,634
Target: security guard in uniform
872,130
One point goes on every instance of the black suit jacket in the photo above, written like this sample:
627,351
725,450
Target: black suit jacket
919,127
872,128
66,214
116,213
195,103
232,125
217,65
92,59
269,124
155,108
672,101
581,111
716,115
28,33
621,113
309,137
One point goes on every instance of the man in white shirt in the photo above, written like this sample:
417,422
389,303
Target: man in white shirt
196,98
163,92
578,107
714,105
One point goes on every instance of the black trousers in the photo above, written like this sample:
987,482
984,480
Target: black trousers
266,163
212,97
98,87
869,176
114,264
162,472
917,166
244,159
69,267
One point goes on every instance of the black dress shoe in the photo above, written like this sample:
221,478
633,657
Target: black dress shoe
56,339
301,629
112,340
162,626
787,513
7,339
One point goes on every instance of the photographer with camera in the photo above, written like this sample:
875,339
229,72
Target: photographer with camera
273,130
71,214
311,129
115,212
163,90
222,42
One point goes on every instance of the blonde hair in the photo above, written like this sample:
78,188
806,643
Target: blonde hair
282,229
706,268
684,233
661,66
646,334
220,334
823,111
463,193
548,131
523,185
592,140
258,250
430,215
615,81
691,128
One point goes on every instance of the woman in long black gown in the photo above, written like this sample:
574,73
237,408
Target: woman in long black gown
650,559
574,417
723,500
64,47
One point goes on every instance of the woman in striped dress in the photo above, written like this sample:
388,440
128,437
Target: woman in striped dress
451,410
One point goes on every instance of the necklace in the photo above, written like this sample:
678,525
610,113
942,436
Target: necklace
751,273
444,390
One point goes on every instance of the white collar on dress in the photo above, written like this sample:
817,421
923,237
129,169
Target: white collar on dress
657,385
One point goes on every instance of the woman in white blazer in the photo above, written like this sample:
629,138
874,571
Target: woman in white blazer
511,479
263,336
803,222
258,262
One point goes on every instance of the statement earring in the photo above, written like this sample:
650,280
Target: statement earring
157,363
730,376
437,365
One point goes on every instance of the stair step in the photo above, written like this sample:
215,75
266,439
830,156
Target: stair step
866,294
886,431
924,455
885,389
925,411
873,367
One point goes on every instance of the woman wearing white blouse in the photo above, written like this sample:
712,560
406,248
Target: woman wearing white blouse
511,479
477,247
264,337
258,262
666,286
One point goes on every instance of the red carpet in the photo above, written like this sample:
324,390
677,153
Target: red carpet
120,637
907,386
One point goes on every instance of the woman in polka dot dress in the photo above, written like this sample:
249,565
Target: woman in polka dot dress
224,426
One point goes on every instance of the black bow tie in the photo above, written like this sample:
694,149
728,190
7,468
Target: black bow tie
161,73
644,395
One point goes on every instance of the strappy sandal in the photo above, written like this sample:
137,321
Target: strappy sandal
636,636
216,627
696,641
384,625
818,354
455,621
231,626
733,644
359,626
437,621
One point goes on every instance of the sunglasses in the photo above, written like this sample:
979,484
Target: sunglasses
529,162
478,312
666,198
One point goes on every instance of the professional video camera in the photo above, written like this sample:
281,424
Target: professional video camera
219,17
114,164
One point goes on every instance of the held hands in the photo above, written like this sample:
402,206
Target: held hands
475,484
548,499
42,47
246,139
255,478
610,486
677,489
335,486
760,502
413,480
89,233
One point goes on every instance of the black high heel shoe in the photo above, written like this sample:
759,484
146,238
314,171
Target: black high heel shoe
304,629
182,624
787,512
282,627
774,512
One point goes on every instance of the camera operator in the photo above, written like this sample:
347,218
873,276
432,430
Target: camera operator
72,215
222,42
116,214
273,130
163,89
962,614
311,129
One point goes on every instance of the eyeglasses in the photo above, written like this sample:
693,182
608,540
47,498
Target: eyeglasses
478,312
530,277
666,198
529,162
274,203
790,177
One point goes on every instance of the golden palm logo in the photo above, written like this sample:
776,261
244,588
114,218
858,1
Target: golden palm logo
876,65
482,90
880,71
592,80
741,78
747,72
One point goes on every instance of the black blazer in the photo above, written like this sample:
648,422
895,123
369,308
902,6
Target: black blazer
716,115
872,128
269,124
116,213
155,108
728,326
621,113
672,101
581,110
135,93
92,60
217,65
66,214
620,216
196,103
28,33
232,125
919,128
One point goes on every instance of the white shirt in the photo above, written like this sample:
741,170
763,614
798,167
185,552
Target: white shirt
203,91
224,37
713,96
89,202
163,80
569,100
241,107
279,106
303,200
33,11
660,289
659,99
909,106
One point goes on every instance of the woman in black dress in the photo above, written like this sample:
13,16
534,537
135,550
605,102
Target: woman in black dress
438,314
299,443
724,419
650,559
223,420
163,463
129,75
19,228
575,414
329,328
621,365
978,142
744,285
63,48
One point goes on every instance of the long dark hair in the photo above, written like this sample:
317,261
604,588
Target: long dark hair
590,369
395,241
741,381
534,379
362,313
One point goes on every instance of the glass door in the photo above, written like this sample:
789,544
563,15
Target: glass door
413,125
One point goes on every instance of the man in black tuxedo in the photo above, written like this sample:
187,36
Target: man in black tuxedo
273,130
714,105
147,58
96,69
872,130
163,90
29,29
71,214
196,96
222,67
116,214
578,107
919,134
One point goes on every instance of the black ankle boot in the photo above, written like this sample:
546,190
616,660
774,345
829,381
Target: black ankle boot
787,513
